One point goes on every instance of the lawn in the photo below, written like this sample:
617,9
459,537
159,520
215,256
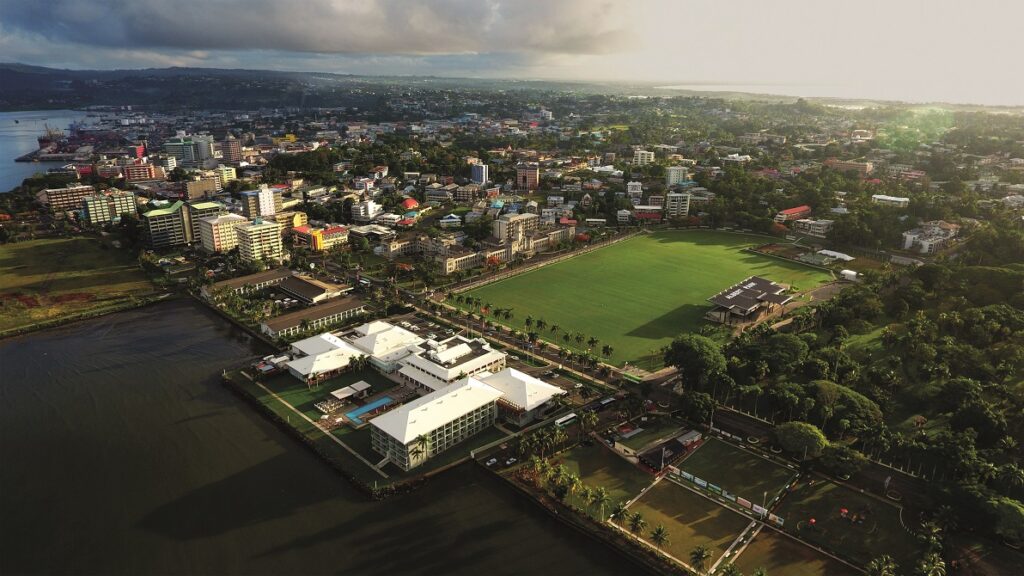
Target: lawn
641,293
691,520
598,466
733,469
779,554
880,532
303,398
45,279
652,430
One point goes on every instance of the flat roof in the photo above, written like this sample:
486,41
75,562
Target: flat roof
424,415
522,390
747,294
313,313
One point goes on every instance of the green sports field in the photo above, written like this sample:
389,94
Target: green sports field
779,554
691,520
641,293
741,473
597,467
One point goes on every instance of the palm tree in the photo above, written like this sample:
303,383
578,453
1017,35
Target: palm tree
699,558
606,350
600,499
637,523
659,536
578,337
932,565
586,495
588,421
760,572
554,328
619,511
882,566
541,324
528,322
1011,475
573,484
730,569
592,342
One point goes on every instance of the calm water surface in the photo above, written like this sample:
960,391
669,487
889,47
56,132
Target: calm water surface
121,453
18,133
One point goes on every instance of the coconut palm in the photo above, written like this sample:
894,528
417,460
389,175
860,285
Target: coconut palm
592,342
730,569
600,499
554,328
659,536
586,493
932,565
699,557
637,523
618,511
1011,475
573,484
882,566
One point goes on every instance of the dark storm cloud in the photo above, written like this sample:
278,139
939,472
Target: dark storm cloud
328,26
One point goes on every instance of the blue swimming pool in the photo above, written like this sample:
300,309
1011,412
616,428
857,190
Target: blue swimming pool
355,414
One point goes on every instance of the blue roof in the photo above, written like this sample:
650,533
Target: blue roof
498,204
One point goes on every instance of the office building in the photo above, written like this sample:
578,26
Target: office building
231,150
811,227
479,174
191,150
225,173
138,172
893,201
201,187
366,211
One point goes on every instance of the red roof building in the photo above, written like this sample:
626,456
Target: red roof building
790,214
410,204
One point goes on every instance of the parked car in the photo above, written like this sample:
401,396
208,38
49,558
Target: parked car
510,461
492,461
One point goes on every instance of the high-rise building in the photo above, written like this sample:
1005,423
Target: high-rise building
266,201
201,187
479,173
67,198
677,204
231,150
365,211
190,150
527,176
226,174
218,233
642,157
676,175
635,192
167,226
135,172
108,207
260,240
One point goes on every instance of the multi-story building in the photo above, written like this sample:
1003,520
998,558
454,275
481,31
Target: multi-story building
930,237
168,226
260,240
635,192
197,211
893,201
316,317
201,187
676,175
108,206
479,173
648,213
515,229
861,168
225,173
190,150
67,198
791,214
231,150
527,176
138,172
266,201
642,157
677,204
413,433
320,239
435,365
366,211
219,233
811,227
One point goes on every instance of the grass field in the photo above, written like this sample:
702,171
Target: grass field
639,294
302,397
691,520
598,466
653,430
880,533
44,279
739,472
779,554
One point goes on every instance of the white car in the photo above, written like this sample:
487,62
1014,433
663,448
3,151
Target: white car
492,461
510,461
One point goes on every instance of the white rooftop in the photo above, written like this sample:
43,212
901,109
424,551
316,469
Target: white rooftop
324,361
318,344
521,389
426,414
383,341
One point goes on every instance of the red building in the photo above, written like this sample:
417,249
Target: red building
790,214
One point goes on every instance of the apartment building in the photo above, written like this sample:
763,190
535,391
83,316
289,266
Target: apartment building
266,201
527,176
108,207
677,204
220,233
643,157
811,227
861,168
892,201
67,198
260,240
479,173
675,175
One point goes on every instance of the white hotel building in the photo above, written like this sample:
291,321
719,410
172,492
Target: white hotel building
436,365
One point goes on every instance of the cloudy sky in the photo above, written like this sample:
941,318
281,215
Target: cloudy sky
914,50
